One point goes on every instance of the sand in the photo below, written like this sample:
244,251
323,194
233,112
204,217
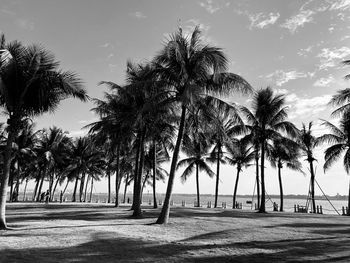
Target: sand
102,233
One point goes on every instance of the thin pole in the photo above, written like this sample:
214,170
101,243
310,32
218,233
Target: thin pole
327,197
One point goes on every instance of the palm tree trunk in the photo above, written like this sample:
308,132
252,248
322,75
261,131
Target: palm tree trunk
137,203
81,189
75,189
155,205
117,179
25,190
54,189
109,185
36,187
17,183
6,174
262,208
197,183
236,186
137,160
11,186
349,201
40,188
217,175
257,180
143,185
281,189
86,186
126,187
92,184
65,188
52,175
312,187
164,214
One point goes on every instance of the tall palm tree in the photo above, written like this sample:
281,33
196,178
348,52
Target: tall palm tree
284,152
267,121
308,142
30,84
196,146
193,70
239,153
339,138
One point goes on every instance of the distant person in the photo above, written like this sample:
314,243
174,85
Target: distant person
42,197
47,196
61,197
128,200
14,196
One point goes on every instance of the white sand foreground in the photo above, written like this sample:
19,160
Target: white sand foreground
101,233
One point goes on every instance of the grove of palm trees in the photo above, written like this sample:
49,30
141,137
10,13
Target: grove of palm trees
179,115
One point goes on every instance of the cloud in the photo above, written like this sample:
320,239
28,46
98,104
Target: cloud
301,107
138,15
78,133
262,20
106,45
304,51
192,23
330,57
281,77
25,24
211,7
324,82
340,5
299,20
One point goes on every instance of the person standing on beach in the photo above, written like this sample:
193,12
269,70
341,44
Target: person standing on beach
47,197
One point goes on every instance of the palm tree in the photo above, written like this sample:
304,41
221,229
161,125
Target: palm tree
308,143
53,149
239,153
30,84
284,152
342,98
192,70
340,140
267,121
196,147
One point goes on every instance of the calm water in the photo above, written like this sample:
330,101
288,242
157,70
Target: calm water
190,200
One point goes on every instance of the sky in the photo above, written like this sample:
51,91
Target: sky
294,46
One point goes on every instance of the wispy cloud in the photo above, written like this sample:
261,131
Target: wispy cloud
281,77
303,107
213,6
340,5
25,24
138,15
191,23
331,57
106,45
78,133
262,20
324,82
299,20
305,51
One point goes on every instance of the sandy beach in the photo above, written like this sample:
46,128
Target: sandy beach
102,233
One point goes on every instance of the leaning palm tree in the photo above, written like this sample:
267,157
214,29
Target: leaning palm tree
196,147
193,71
240,153
30,85
340,140
284,152
308,142
267,122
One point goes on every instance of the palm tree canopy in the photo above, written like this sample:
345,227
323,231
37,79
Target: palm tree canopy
31,82
340,140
